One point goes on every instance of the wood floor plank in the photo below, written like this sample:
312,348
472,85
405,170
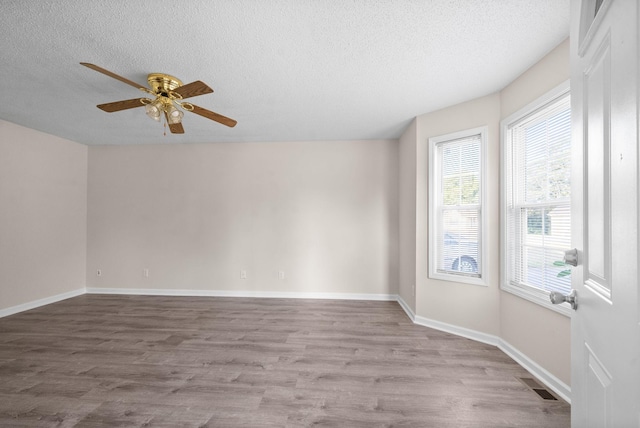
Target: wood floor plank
109,360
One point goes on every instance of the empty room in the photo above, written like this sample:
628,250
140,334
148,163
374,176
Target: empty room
325,213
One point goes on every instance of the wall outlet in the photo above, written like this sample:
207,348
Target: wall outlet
99,272
145,273
281,274
243,274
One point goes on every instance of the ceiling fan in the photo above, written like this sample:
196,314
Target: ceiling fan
167,92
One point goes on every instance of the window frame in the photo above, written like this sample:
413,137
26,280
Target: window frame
434,193
531,294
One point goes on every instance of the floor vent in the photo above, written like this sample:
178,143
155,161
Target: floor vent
535,386
544,394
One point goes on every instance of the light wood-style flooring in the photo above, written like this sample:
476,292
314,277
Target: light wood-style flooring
151,361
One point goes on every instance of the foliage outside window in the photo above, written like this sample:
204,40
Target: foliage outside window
537,197
456,193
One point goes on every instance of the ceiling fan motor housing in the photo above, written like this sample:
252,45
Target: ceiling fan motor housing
163,84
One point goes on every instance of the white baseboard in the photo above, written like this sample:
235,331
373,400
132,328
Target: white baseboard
478,336
407,309
40,302
551,381
238,293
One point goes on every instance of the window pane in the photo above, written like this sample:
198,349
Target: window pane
543,243
543,268
538,191
547,157
458,248
460,165
457,207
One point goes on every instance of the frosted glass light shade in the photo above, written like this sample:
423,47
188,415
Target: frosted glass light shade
154,110
174,115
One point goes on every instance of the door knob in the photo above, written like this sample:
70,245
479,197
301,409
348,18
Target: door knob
557,297
571,257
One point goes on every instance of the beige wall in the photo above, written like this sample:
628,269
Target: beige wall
325,213
543,76
463,305
407,216
43,203
541,334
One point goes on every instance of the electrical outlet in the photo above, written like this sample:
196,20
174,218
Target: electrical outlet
281,274
98,272
243,274
145,272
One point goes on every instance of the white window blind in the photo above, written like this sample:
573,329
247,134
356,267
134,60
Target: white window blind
538,197
457,185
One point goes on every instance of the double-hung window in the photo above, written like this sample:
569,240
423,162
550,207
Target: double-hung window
456,218
536,197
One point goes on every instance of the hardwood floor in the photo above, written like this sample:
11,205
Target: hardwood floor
104,361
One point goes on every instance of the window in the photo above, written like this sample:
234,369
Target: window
456,205
536,202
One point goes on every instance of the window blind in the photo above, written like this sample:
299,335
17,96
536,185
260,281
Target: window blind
459,206
538,197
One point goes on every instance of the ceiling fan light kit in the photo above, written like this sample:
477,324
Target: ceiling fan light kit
168,91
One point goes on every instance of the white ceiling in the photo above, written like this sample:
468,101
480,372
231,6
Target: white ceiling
286,70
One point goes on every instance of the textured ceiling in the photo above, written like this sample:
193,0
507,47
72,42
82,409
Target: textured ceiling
286,70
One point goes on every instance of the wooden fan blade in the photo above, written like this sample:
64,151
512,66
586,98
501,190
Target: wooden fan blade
193,89
120,105
175,128
214,116
115,76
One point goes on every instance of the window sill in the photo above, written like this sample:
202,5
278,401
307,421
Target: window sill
458,278
539,297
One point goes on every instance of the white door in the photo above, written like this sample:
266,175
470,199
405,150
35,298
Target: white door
605,330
